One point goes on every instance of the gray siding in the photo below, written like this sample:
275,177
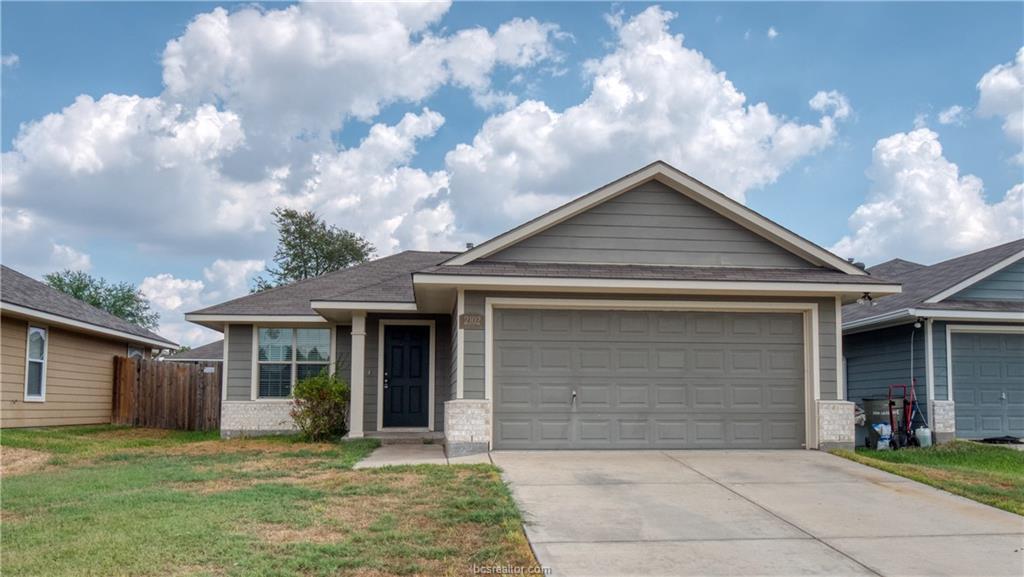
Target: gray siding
453,363
442,365
877,359
473,356
655,225
473,381
239,368
1005,285
939,352
343,353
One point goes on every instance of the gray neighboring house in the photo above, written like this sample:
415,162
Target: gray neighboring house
967,355
653,312
208,353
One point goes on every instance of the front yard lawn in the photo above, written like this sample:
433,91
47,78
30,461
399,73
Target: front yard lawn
988,474
112,501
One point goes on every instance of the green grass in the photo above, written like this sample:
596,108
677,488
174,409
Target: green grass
131,503
985,473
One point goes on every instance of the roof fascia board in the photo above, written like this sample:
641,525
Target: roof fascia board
682,183
427,279
904,315
890,318
951,315
975,278
64,322
362,306
224,318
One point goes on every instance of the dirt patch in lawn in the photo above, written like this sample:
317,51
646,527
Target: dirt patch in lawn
20,461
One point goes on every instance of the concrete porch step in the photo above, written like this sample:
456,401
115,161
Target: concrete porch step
407,437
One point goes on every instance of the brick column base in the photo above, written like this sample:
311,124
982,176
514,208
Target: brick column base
943,421
255,418
835,425
467,426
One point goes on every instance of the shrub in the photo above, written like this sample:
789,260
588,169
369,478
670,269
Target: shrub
320,407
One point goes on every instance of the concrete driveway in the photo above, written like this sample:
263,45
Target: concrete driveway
649,513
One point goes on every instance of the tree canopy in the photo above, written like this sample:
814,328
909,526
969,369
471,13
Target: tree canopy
308,247
121,299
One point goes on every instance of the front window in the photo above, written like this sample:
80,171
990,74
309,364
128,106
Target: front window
287,356
35,373
135,353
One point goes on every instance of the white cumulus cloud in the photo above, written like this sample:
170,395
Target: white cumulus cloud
651,98
772,33
64,257
253,102
307,68
172,296
953,115
10,60
920,207
1001,93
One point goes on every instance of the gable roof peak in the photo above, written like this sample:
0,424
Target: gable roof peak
682,183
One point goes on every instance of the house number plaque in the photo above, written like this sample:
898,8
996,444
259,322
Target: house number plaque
471,322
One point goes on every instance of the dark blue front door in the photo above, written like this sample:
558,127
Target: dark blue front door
406,379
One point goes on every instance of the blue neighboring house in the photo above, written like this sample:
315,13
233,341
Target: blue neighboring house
958,330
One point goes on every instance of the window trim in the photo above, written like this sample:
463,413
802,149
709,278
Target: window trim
294,362
41,397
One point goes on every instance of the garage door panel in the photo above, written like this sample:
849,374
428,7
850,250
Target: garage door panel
988,384
647,379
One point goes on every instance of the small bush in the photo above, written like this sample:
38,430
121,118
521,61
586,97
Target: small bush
320,407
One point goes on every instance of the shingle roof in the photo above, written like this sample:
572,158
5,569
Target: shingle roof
21,290
922,283
209,352
387,279
894,268
645,272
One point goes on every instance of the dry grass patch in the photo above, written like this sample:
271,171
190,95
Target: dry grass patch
278,534
249,507
15,461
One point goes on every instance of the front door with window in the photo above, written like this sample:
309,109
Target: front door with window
406,378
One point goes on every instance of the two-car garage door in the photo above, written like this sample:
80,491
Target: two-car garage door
598,379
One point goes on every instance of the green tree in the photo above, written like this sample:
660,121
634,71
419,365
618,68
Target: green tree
308,247
121,299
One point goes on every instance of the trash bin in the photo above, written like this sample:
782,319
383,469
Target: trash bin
876,410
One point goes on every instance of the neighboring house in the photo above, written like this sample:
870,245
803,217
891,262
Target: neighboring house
56,367
208,353
654,312
967,354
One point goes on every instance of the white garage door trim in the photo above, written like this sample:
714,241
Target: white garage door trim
812,379
950,329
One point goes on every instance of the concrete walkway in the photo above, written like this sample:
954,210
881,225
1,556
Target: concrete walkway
416,454
749,513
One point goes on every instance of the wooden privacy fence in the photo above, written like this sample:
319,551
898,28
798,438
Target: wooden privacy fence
166,395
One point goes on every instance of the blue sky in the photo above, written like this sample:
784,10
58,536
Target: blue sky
898,66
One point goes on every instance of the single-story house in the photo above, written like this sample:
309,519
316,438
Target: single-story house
957,329
653,312
208,353
56,366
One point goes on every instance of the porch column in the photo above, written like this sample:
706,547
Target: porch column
358,374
